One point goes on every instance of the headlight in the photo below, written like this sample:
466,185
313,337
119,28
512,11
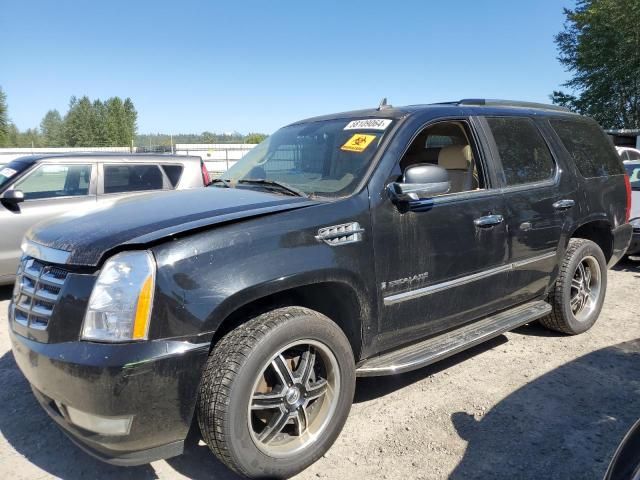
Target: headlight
635,222
120,304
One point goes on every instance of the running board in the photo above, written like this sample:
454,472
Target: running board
437,348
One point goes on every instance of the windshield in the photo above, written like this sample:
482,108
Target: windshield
326,159
633,170
9,171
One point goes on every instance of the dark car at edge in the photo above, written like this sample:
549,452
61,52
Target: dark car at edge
365,243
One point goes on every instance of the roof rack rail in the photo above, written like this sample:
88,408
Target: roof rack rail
511,103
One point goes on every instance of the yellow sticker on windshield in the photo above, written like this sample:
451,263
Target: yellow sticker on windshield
358,143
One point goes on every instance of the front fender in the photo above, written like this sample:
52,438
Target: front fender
203,278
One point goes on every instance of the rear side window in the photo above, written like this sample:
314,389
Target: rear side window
132,178
589,147
173,172
524,153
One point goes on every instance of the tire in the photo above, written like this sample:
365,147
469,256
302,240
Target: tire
244,377
571,313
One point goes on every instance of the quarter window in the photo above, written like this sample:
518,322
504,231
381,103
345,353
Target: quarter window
524,154
589,146
633,155
132,178
52,181
173,172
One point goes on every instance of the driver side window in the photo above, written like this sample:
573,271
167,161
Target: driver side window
447,145
54,181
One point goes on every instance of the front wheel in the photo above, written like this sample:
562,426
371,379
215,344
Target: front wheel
276,392
578,294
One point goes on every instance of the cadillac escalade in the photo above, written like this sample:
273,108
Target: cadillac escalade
365,243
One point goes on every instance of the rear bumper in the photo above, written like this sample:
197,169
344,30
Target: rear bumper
621,241
152,384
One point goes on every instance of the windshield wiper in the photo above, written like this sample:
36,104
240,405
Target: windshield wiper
225,183
274,183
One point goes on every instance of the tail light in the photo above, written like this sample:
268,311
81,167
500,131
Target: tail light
627,183
205,174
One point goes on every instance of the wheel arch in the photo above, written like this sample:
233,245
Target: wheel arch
339,300
599,232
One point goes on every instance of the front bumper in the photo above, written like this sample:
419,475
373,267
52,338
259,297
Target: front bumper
154,383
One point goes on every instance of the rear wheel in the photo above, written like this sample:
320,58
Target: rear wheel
578,294
276,392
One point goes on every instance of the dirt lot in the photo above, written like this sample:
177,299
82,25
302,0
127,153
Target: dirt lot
527,405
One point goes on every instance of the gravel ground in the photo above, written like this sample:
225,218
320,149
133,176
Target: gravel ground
529,404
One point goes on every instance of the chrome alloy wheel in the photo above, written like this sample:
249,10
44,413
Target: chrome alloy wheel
294,398
585,288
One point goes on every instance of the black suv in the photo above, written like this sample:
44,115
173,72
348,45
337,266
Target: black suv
357,244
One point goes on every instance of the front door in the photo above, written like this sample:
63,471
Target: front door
442,263
49,190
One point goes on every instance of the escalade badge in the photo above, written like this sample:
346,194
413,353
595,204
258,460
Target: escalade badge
405,281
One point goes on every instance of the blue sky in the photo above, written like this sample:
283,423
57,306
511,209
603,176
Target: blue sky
253,66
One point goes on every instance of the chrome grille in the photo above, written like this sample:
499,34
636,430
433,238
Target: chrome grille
36,292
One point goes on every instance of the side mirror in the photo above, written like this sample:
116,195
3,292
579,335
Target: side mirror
12,197
420,182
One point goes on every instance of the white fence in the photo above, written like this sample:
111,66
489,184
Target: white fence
11,153
218,157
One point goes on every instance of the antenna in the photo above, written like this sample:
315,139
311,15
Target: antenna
383,104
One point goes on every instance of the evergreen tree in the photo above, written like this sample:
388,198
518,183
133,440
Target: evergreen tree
99,126
79,123
4,120
30,138
115,119
52,129
131,116
13,136
254,138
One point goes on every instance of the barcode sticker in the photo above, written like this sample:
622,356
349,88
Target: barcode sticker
369,124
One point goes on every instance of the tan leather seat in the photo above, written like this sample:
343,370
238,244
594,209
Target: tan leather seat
457,160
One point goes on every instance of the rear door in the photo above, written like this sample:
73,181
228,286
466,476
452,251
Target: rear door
50,190
540,198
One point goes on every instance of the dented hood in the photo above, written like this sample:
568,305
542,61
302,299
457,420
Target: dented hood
89,235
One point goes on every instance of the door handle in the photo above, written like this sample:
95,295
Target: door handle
488,221
564,204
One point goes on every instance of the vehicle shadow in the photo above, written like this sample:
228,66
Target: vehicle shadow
198,463
565,424
28,429
5,292
535,329
370,388
32,434
628,265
